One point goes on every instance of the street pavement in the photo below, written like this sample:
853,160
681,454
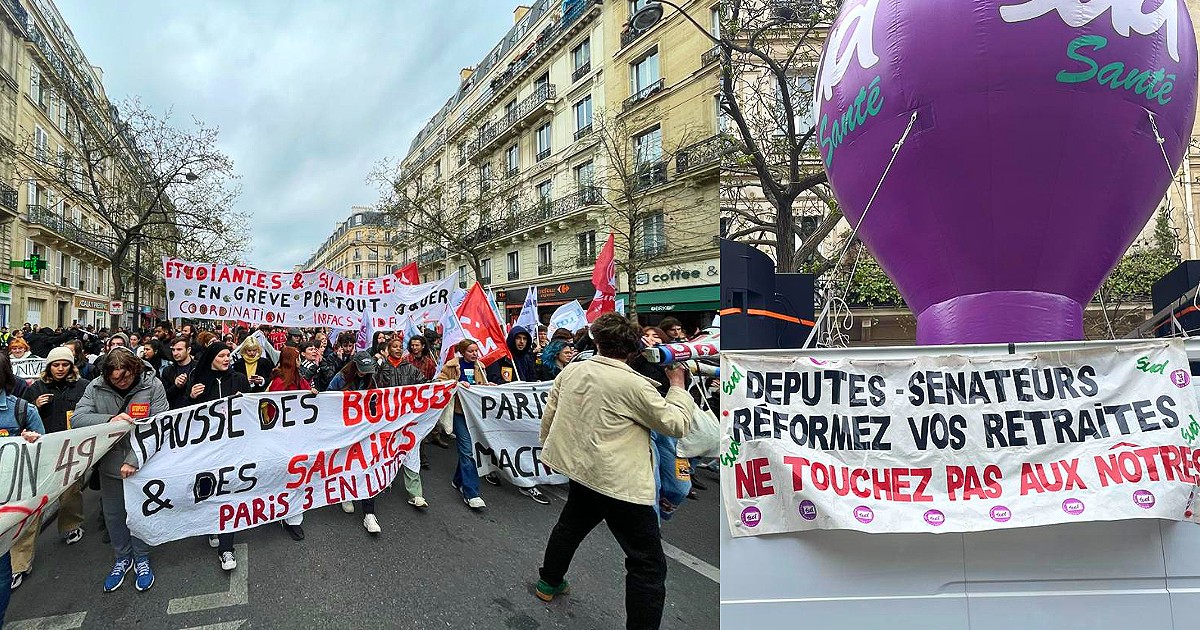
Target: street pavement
446,568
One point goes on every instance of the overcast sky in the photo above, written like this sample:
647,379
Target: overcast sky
308,95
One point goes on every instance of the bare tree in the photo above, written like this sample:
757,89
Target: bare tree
634,183
453,218
775,193
153,186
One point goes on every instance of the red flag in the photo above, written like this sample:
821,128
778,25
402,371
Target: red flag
604,278
479,322
408,274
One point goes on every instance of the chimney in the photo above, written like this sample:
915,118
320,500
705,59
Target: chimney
519,13
465,73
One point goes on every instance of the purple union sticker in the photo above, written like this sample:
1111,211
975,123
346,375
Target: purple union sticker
1000,513
751,516
1143,499
864,514
1182,378
1074,507
808,510
935,518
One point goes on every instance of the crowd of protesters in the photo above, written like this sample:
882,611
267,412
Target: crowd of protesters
92,376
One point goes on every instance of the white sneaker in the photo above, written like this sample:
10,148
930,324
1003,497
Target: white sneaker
371,524
227,561
348,507
476,503
418,502
213,541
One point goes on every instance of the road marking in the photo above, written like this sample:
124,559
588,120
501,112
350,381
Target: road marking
679,555
57,622
237,595
227,625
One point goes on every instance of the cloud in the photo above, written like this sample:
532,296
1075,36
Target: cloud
308,95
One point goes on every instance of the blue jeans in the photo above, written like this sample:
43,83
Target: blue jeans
466,476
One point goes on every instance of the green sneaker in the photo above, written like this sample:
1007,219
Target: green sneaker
545,592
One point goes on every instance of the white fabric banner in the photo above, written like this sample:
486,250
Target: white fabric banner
505,424
957,443
243,461
28,369
570,316
301,298
32,476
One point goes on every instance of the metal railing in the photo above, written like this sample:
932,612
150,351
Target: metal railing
703,153
488,132
583,132
629,35
512,171
43,216
514,275
581,71
543,154
644,93
585,260
545,269
430,256
485,280
8,197
710,55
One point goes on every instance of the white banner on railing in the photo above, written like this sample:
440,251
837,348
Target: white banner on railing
32,476
956,443
28,369
303,298
240,462
505,424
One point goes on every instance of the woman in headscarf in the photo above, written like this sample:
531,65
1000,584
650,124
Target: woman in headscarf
253,365
214,379
285,378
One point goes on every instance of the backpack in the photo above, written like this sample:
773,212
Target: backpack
21,412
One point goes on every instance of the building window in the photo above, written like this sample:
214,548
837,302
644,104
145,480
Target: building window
512,160
800,91
462,273
637,5
462,153
462,191
542,83
485,176
514,265
545,258
41,143
441,273
581,60
514,207
543,192
644,75
509,107
714,17
485,271
587,247
543,142
437,170
647,146
583,117
719,114
584,174
654,240
357,271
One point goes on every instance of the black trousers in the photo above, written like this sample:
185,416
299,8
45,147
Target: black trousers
636,529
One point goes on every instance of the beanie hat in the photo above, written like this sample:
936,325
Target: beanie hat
123,337
61,353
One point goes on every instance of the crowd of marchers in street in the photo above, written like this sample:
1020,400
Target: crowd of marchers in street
606,395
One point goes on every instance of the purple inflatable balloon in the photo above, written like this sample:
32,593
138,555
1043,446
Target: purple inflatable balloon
1033,161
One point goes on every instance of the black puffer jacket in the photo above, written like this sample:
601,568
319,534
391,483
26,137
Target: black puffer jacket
66,397
216,384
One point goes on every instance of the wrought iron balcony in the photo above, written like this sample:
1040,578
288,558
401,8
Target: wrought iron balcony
643,94
68,231
485,280
710,55
629,35
431,256
536,104
705,153
514,275
583,132
652,250
649,175
585,260
428,152
8,197
511,172
543,154
545,269
581,71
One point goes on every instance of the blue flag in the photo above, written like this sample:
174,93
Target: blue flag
528,319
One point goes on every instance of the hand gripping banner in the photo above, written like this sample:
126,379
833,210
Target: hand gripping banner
957,443
243,461
505,424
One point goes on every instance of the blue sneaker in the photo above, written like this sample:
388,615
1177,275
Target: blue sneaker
117,577
145,577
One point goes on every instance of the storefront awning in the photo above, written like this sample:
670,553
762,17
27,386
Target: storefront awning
706,298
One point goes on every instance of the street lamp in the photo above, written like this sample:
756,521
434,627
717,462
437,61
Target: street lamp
189,177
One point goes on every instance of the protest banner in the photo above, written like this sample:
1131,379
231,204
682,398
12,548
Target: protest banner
240,462
28,369
956,443
505,424
32,476
570,316
301,298
479,322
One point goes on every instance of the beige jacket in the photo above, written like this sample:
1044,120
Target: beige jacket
601,438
